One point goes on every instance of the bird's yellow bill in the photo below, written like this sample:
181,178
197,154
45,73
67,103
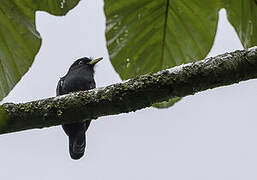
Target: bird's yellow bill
94,61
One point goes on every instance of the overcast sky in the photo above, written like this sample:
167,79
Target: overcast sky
211,135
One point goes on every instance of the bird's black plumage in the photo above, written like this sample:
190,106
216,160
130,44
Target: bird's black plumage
79,77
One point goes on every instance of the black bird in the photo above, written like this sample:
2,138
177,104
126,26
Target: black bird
80,77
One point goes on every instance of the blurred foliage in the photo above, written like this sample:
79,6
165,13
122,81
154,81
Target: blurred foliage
148,36
19,39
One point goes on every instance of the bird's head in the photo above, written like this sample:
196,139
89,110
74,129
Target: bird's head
85,62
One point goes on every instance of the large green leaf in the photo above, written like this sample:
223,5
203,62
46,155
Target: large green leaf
19,39
150,35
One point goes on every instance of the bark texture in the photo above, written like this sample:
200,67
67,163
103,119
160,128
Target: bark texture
133,94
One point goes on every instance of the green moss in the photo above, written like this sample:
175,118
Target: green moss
59,113
49,106
26,107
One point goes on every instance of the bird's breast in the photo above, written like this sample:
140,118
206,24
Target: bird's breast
78,82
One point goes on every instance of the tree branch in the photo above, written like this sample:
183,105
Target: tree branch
131,95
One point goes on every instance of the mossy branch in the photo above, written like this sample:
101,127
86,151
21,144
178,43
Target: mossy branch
133,94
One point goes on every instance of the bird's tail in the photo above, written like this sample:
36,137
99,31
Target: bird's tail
77,145
77,138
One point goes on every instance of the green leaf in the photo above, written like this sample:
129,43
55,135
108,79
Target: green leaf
19,39
148,36
242,14
166,104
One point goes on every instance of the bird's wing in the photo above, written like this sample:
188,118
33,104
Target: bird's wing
59,89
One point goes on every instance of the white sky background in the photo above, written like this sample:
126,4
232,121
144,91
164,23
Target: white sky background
211,135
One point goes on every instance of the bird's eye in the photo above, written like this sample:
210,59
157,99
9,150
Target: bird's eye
80,62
